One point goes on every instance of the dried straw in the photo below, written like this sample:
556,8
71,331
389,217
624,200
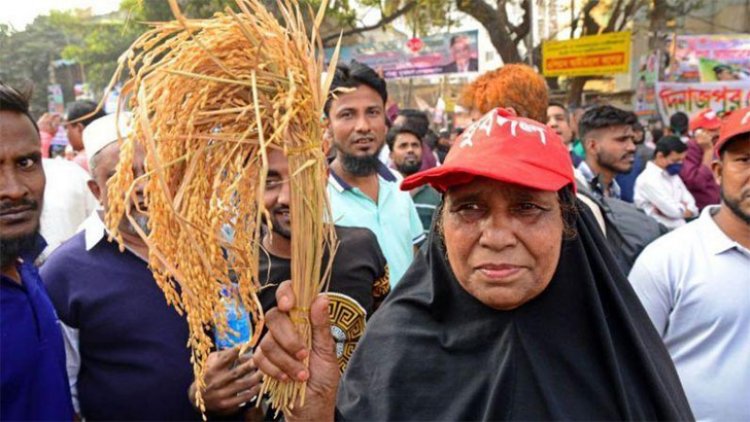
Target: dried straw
209,98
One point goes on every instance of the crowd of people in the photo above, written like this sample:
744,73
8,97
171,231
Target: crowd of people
544,262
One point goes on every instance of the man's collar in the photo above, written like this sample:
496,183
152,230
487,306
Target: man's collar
586,171
595,182
32,254
337,181
715,239
94,230
341,185
651,166
419,189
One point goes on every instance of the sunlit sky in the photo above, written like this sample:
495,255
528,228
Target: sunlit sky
23,12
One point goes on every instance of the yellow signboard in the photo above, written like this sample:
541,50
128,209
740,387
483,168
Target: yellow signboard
603,54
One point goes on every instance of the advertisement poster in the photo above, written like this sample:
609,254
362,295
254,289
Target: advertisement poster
691,98
82,91
55,103
604,54
714,71
644,100
709,58
434,55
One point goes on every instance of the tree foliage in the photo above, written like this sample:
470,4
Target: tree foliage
95,43
425,16
27,57
506,33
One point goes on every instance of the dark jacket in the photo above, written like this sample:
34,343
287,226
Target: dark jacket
452,67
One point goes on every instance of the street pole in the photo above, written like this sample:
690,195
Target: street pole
530,36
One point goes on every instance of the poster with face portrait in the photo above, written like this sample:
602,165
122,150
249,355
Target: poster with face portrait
55,103
404,58
647,74
709,58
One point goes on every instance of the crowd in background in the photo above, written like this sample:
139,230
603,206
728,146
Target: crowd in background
671,210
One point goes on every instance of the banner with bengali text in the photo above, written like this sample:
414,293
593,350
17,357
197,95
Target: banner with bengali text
603,54
691,98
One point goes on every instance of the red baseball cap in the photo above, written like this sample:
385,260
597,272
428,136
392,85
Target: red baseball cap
735,123
504,147
706,119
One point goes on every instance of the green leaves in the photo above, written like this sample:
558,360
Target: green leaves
92,44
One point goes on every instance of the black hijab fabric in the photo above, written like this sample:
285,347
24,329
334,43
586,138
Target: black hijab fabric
584,349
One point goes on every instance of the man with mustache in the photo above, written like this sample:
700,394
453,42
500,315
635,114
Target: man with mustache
126,354
695,285
359,282
558,119
643,154
607,136
420,124
363,192
406,154
32,356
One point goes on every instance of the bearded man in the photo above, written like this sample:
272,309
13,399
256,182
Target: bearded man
362,190
406,155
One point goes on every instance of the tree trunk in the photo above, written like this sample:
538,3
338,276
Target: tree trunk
658,23
575,93
507,49
495,21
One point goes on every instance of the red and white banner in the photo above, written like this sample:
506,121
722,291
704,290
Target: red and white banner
692,97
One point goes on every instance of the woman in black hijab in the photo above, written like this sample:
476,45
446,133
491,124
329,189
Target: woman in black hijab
515,311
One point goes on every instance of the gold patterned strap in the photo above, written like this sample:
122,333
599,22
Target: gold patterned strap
348,320
382,286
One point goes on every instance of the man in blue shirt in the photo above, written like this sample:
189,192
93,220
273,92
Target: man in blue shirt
33,385
126,357
362,191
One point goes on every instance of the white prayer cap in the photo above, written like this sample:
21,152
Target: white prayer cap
103,131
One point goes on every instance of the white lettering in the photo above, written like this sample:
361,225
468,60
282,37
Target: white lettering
485,123
524,126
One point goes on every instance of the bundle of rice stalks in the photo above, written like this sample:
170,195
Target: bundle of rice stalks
209,98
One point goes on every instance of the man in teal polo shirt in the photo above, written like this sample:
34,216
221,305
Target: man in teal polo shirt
362,191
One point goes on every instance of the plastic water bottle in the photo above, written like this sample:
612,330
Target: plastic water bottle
238,320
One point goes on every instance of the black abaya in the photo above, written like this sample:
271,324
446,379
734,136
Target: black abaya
584,349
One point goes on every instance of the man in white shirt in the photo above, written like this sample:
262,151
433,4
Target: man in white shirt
68,201
659,191
695,285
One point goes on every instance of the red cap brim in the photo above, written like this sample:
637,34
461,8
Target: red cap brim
727,136
711,126
518,173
